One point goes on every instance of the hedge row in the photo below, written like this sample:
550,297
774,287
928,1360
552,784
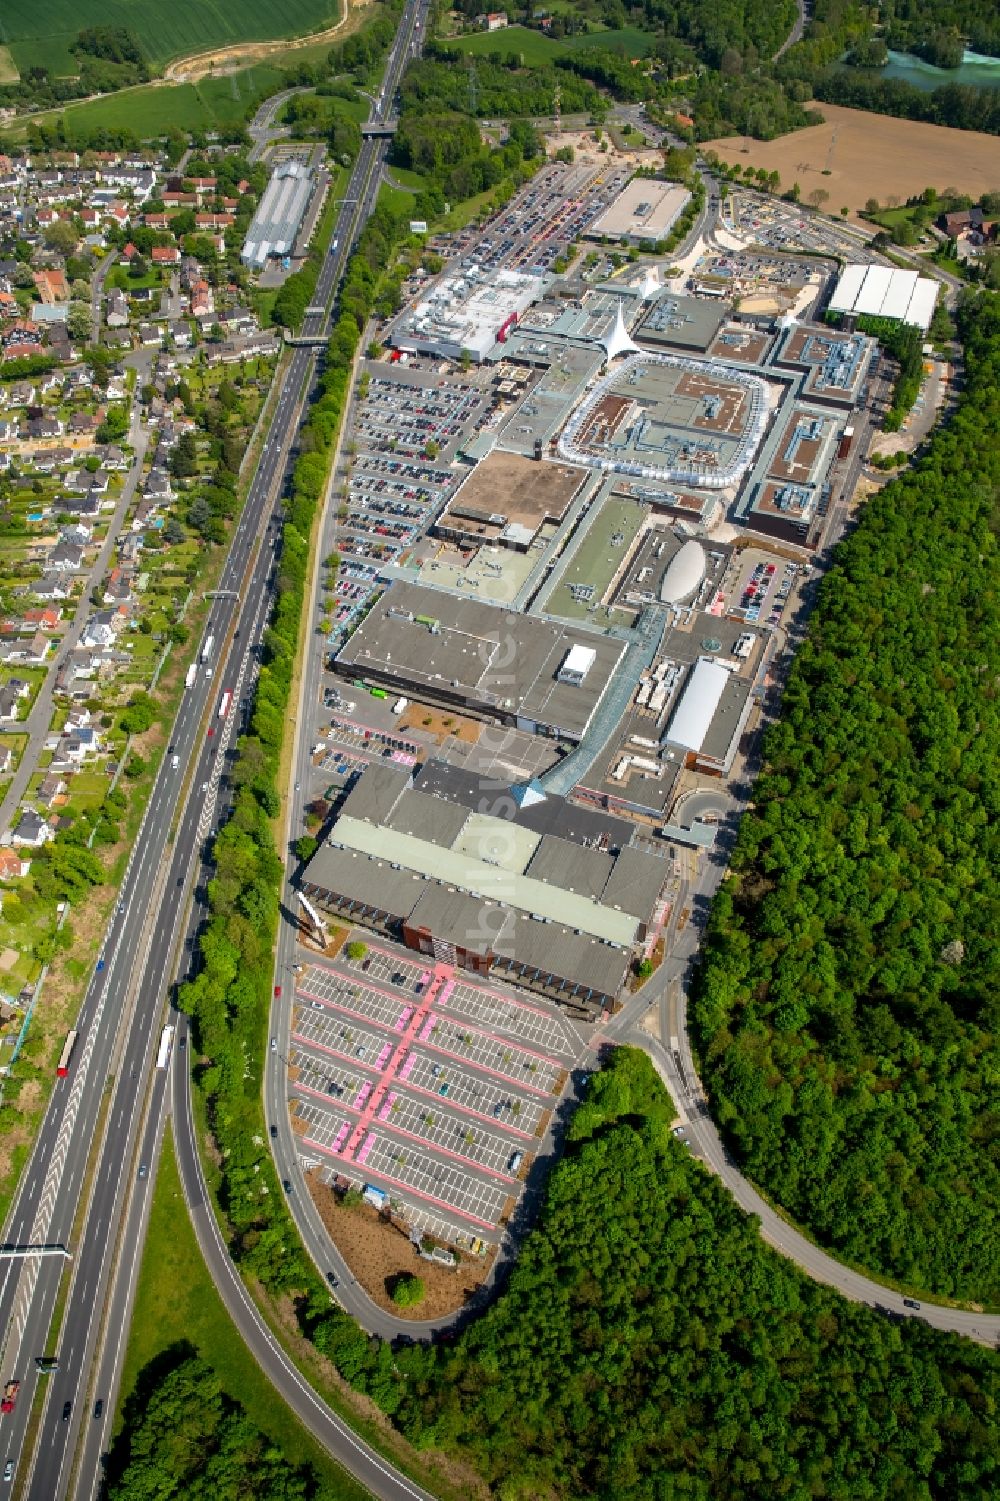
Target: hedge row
229,998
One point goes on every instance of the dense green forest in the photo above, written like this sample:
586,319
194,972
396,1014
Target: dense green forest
939,29
650,1346
187,1440
706,32
847,1009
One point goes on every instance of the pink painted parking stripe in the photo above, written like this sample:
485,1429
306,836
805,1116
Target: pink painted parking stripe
367,1145
341,1136
407,1068
362,1094
389,1101
404,1017
381,1059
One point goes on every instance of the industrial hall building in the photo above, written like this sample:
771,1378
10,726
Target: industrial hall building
510,881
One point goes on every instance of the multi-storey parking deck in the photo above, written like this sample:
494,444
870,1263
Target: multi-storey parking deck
438,1085
405,1166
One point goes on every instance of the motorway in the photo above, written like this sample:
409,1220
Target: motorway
98,1207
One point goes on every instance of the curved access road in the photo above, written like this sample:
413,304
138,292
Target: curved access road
363,1462
818,1264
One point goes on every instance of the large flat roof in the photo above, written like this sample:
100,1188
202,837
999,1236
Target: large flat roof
492,660
507,490
456,867
644,210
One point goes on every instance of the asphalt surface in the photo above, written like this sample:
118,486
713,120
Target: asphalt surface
113,1085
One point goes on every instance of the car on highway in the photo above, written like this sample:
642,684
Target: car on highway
67,1409
143,1170
286,1186
274,1133
98,1407
274,1044
911,1303
333,1279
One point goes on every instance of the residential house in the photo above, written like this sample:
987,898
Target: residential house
12,695
44,427
13,867
494,20
52,790
118,589
112,457
50,586
78,534
52,286
6,760
80,506
243,347
158,486
117,313
65,558
31,652
84,425
31,831
77,746
165,255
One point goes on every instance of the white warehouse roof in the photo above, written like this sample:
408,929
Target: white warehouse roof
698,704
886,292
685,572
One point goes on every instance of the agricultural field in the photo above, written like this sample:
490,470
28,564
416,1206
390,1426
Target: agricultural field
536,48
41,33
151,109
856,155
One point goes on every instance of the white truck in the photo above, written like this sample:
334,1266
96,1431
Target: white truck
190,676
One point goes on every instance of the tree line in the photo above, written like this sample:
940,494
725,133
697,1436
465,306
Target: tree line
649,1345
185,1438
846,1010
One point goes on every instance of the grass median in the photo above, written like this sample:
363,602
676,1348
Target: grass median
176,1302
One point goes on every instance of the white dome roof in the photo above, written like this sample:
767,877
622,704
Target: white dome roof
685,572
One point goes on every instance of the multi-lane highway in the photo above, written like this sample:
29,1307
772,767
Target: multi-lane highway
112,1100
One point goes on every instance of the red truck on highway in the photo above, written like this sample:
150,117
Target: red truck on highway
10,1392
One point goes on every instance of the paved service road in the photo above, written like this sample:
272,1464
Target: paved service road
102,1105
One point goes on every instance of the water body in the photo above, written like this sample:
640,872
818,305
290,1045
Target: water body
976,71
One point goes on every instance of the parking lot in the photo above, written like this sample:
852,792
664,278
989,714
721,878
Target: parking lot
541,222
427,1082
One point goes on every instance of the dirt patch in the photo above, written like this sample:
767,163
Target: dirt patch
870,156
221,61
8,67
439,724
377,1250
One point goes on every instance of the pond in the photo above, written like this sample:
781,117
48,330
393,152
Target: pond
976,71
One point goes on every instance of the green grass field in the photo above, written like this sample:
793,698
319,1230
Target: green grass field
536,48
42,32
596,560
176,1301
148,111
